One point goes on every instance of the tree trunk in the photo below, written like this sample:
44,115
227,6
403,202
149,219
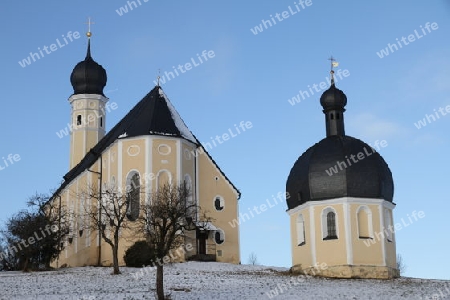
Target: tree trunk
25,264
160,282
116,259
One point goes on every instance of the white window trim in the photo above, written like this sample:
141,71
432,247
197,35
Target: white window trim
130,175
388,222
222,235
159,174
222,202
325,211
369,220
300,227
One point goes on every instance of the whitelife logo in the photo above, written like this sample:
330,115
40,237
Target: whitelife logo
35,56
391,48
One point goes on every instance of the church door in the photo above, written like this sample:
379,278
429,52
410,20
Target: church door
201,241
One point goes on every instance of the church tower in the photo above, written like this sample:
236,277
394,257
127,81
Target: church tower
340,204
88,117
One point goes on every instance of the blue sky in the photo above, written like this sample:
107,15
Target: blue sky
250,78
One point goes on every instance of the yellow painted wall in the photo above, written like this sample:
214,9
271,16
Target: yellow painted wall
165,157
133,157
301,254
363,254
391,254
212,183
332,252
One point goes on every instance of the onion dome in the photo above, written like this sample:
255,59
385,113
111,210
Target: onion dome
333,99
88,77
339,166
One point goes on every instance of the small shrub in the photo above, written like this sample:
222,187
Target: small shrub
139,255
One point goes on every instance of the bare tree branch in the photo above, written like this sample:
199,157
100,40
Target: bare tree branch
166,216
109,214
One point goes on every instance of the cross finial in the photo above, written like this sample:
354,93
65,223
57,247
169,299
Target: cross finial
159,75
333,64
89,34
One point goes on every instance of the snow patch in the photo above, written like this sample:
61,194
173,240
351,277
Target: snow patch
208,280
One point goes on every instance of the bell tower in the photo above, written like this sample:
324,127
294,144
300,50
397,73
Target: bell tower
88,102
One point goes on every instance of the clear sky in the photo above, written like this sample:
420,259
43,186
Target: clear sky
250,78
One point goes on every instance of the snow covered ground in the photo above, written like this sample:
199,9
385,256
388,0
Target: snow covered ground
195,280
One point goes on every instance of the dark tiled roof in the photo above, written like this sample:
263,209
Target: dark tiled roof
153,115
88,77
312,179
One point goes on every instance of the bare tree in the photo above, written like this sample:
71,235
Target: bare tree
111,212
253,259
401,267
164,218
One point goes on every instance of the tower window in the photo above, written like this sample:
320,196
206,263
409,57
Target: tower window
219,236
329,227
337,116
331,116
219,203
101,121
79,120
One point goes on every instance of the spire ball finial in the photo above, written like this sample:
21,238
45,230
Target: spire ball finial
89,33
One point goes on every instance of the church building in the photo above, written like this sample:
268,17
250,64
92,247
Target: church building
150,145
340,204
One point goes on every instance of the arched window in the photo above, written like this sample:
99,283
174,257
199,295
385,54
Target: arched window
331,116
388,227
81,214
364,216
79,120
329,224
163,177
87,221
219,203
71,223
219,236
300,230
190,202
188,182
133,192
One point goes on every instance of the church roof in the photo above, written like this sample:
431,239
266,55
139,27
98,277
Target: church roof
339,166
153,115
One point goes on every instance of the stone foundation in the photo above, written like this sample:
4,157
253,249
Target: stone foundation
349,271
